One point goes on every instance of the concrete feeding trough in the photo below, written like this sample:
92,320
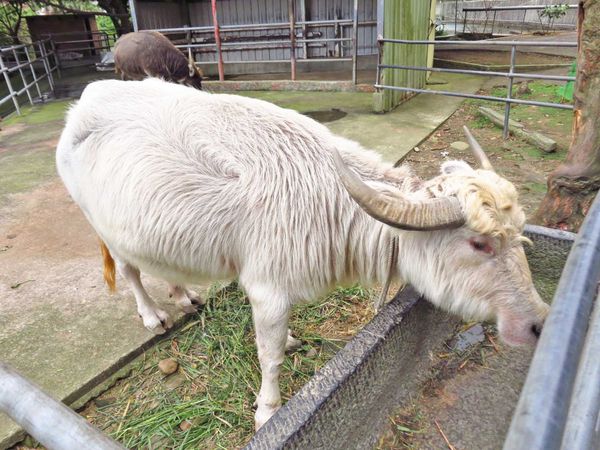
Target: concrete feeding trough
350,398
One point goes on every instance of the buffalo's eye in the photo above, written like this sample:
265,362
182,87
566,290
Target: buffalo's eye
481,245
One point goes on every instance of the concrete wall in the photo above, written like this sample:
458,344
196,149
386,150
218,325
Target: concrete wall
446,11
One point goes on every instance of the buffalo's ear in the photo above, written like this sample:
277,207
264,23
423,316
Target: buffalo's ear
192,70
455,166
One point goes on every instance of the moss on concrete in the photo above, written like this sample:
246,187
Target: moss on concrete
24,170
39,114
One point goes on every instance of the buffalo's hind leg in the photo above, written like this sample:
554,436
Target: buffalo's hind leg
155,319
185,298
270,312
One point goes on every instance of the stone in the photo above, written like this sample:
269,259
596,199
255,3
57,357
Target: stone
460,146
469,337
185,425
168,366
174,381
311,353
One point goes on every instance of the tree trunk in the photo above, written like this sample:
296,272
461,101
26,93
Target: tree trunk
119,14
574,184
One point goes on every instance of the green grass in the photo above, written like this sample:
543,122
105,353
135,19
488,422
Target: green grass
219,377
39,114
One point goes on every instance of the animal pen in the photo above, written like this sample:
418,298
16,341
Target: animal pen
287,35
27,70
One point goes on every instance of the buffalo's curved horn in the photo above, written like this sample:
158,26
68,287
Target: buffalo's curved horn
191,62
478,152
397,211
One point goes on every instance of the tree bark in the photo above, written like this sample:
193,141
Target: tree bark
573,186
118,11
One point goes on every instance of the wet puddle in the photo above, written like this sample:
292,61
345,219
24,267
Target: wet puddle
329,115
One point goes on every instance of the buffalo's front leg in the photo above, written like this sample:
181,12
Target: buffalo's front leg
270,313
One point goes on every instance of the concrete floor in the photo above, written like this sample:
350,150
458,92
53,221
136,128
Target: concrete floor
61,328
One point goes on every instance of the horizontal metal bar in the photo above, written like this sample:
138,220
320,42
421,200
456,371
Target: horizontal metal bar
539,419
79,41
7,98
80,49
50,422
260,26
480,72
513,8
484,43
324,40
475,96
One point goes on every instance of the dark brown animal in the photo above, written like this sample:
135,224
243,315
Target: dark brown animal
150,54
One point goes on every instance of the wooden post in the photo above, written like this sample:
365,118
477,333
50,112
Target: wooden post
292,13
218,41
355,44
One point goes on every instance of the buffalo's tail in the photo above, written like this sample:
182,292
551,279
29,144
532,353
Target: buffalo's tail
109,267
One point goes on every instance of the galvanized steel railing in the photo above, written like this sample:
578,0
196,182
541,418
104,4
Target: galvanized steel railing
511,74
559,407
52,423
212,37
18,68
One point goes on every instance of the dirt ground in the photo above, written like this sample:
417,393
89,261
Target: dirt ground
517,160
500,57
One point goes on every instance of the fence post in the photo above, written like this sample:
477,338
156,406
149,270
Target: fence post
378,79
292,14
304,28
513,55
355,44
23,79
46,62
56,58
37,86
13,95
218,40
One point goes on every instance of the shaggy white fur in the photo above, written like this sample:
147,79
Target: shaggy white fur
187,185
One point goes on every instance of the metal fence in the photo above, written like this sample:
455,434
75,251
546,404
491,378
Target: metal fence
511,74
494,10
295,36
505,16
559,407
23,68
77,48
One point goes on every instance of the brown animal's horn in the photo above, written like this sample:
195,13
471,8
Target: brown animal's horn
478,152
397,211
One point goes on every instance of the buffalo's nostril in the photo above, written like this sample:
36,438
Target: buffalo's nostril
536,330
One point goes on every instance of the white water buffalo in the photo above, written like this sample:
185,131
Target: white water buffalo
144,54
186,185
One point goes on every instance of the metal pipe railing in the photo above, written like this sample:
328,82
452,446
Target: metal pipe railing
52,423
37,49
511,74
559,403
290,42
